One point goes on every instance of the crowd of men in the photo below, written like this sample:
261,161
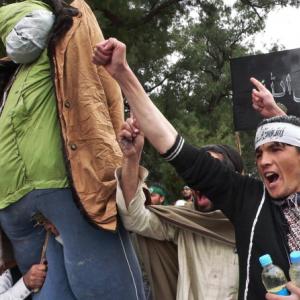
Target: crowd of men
68,157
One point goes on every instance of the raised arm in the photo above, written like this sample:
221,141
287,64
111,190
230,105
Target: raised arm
131,141
130,183
263,101
112,55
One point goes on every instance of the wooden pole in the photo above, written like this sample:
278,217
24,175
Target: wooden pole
43,255
238,142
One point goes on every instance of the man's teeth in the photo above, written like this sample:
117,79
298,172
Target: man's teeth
271,176
268,174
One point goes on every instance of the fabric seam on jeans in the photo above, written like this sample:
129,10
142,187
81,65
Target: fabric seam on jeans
123,247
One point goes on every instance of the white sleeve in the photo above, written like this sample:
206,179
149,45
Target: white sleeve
6,281
8,292
137,218
29,37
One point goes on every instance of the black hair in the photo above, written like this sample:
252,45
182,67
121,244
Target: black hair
231,157
7,69
282,119
64,14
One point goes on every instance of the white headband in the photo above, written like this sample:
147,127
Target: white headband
278,132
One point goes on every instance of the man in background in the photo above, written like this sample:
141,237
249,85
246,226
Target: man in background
204,242
157,194
187,194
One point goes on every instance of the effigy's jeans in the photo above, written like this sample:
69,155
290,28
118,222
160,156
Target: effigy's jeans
92,264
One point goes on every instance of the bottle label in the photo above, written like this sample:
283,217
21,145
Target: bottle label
283,292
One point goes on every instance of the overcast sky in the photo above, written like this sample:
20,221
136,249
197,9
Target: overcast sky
283,27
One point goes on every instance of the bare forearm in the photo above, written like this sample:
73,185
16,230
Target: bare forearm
129,179
276,111
157,129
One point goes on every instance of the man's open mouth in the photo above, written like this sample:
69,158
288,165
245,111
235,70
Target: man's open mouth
271,177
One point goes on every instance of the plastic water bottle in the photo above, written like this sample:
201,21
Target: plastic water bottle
295,268
273,277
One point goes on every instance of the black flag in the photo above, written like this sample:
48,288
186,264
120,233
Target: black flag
278,71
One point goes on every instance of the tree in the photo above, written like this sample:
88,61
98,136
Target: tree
190,78
181,51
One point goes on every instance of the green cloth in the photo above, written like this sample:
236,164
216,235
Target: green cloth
157,190
31,150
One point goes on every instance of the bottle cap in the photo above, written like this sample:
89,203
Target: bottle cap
295,257
265,260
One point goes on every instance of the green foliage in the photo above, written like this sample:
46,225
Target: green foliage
181,51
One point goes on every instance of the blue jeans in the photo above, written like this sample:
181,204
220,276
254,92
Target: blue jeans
92,264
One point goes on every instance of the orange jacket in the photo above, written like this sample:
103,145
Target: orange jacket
90,109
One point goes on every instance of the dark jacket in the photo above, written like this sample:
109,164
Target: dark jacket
241,198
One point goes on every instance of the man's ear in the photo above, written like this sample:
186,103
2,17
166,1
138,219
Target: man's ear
162,199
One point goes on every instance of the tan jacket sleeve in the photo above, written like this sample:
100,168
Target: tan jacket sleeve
112,92
110,87
114,99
